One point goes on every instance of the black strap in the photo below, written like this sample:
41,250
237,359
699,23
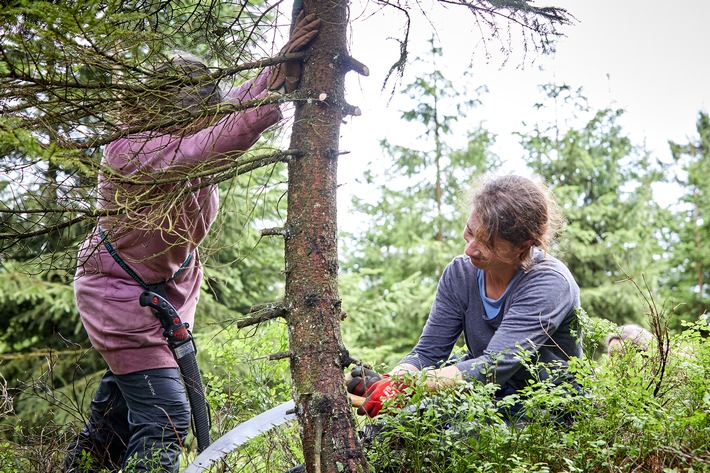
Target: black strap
157,287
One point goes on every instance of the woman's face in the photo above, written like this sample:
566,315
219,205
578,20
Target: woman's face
505,255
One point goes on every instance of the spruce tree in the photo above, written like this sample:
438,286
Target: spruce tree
686,283
417,219
604,184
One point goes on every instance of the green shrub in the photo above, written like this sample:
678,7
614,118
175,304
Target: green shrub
634,415
242,382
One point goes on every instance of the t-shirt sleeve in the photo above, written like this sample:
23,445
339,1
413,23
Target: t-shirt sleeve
445,322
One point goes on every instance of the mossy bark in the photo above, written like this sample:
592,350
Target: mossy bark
328,431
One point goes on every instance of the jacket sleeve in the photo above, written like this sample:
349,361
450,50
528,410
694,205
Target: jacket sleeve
172,154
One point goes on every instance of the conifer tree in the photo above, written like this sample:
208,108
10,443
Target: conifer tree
72,74
604,183
686,283
417,219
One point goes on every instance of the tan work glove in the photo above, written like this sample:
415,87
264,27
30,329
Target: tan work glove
287,75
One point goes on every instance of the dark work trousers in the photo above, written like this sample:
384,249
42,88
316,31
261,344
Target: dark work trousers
138,422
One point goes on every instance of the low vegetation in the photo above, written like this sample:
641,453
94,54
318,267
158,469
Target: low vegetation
637,411
631,416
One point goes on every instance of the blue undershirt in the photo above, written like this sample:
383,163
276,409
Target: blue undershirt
492,306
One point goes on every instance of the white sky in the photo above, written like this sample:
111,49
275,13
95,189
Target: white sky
648,57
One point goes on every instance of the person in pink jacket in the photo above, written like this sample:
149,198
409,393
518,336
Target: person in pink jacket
140,415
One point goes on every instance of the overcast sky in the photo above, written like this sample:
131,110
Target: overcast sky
648,57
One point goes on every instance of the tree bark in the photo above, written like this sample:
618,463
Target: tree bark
328,433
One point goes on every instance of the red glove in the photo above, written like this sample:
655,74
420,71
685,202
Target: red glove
377,393
360,379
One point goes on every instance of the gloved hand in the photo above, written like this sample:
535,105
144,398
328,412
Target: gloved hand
286,75
377,393
360,379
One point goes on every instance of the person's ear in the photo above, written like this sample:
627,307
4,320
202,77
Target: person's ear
525,247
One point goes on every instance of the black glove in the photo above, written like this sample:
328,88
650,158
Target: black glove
360,379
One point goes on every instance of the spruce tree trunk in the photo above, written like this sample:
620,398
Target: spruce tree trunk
328,431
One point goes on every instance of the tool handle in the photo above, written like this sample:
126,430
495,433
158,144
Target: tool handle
355,400
175,331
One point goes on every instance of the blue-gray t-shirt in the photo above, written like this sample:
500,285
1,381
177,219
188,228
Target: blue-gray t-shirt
537,320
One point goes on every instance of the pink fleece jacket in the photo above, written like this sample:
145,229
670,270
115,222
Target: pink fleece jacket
157,240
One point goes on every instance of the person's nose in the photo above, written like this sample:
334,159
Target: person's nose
472,248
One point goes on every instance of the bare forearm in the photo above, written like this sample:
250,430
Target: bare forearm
435,378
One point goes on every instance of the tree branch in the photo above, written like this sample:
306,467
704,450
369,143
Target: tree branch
264,313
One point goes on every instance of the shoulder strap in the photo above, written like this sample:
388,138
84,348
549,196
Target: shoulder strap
157,287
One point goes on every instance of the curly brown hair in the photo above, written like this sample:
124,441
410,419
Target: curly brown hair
515,209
